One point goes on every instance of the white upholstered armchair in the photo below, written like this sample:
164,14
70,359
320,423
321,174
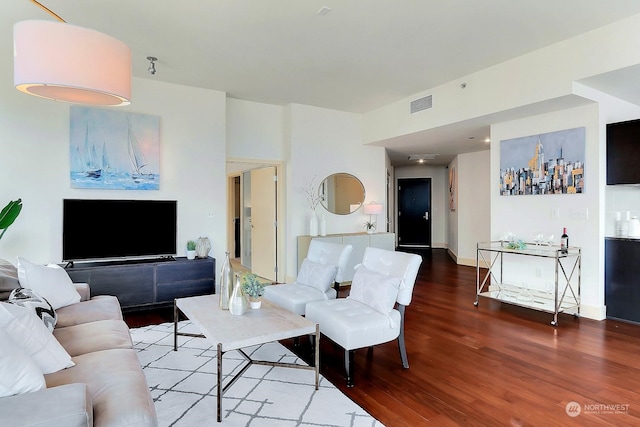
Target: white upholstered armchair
317,280
370,315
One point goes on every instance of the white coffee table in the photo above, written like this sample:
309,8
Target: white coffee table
229,332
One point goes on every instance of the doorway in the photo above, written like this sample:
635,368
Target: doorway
255,233
414,212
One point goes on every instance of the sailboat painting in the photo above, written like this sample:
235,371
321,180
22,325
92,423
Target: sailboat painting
114,150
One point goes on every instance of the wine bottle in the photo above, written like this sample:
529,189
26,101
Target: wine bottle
564,241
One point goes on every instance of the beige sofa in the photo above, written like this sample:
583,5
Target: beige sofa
105,388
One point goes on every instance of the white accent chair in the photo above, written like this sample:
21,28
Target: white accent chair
318,278
370,315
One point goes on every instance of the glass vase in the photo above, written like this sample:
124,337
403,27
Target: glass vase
226,282
238,303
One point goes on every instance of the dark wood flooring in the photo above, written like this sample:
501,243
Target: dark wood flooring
491,365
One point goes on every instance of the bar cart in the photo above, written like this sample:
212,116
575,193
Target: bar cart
563,298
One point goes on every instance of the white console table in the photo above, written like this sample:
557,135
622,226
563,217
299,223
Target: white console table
359,241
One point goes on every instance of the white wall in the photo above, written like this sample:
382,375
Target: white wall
255,130
473,213
527,215
323,142
439,197
34,165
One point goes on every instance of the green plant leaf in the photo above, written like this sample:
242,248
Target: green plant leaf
9,214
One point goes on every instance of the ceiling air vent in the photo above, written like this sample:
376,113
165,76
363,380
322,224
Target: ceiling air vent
422,104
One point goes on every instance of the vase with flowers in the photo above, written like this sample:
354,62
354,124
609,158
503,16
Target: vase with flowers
313,198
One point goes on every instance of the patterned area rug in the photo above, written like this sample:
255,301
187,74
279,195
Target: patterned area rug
183,385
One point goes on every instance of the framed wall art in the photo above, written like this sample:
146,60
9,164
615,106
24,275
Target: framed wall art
114,149
549,163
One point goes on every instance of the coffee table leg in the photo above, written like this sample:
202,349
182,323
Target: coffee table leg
219,382
317,355
175,326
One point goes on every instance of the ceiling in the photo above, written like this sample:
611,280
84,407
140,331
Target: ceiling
361,55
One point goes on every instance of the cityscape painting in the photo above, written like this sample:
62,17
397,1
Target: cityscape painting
549,163
114,149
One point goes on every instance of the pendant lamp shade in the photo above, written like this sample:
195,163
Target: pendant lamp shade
63,62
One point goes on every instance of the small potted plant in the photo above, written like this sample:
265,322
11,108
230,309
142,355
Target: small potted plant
370,227
253,289
191,249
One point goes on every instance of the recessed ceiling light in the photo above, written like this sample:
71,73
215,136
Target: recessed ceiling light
323,10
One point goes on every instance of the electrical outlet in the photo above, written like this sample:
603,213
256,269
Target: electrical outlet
211,215
539,272
555,213
580,213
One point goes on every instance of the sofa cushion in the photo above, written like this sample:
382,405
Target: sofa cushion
34,301
64,406
319,276
51,281
26,329
294,297
94,336
117,386
8,279
102,307
18,373
353,325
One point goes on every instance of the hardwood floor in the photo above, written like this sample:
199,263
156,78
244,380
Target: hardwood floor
491,365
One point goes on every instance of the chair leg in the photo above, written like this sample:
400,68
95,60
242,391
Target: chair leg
401,345
348,365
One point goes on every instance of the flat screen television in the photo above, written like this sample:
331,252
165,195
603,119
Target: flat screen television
118,229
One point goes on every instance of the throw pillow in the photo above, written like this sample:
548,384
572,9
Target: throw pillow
31,299
8,278
51,281
18,373
374,289
28,332
316,275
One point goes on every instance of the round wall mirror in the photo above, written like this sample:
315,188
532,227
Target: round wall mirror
341,193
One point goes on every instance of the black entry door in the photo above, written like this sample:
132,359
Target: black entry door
414,212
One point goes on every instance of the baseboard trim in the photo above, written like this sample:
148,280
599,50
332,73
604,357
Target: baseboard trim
593,312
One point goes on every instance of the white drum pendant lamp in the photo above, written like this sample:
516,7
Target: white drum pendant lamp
64,62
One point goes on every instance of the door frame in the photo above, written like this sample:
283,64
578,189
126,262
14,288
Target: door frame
235,167
397,209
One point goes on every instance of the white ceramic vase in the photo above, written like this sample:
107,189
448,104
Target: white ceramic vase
203,246
313,224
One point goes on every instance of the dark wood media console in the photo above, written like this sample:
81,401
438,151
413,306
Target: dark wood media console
147,284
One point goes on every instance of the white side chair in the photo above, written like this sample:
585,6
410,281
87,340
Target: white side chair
370,315
318,278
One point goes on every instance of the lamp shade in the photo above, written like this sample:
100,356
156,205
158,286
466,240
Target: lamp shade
59,61
373,208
